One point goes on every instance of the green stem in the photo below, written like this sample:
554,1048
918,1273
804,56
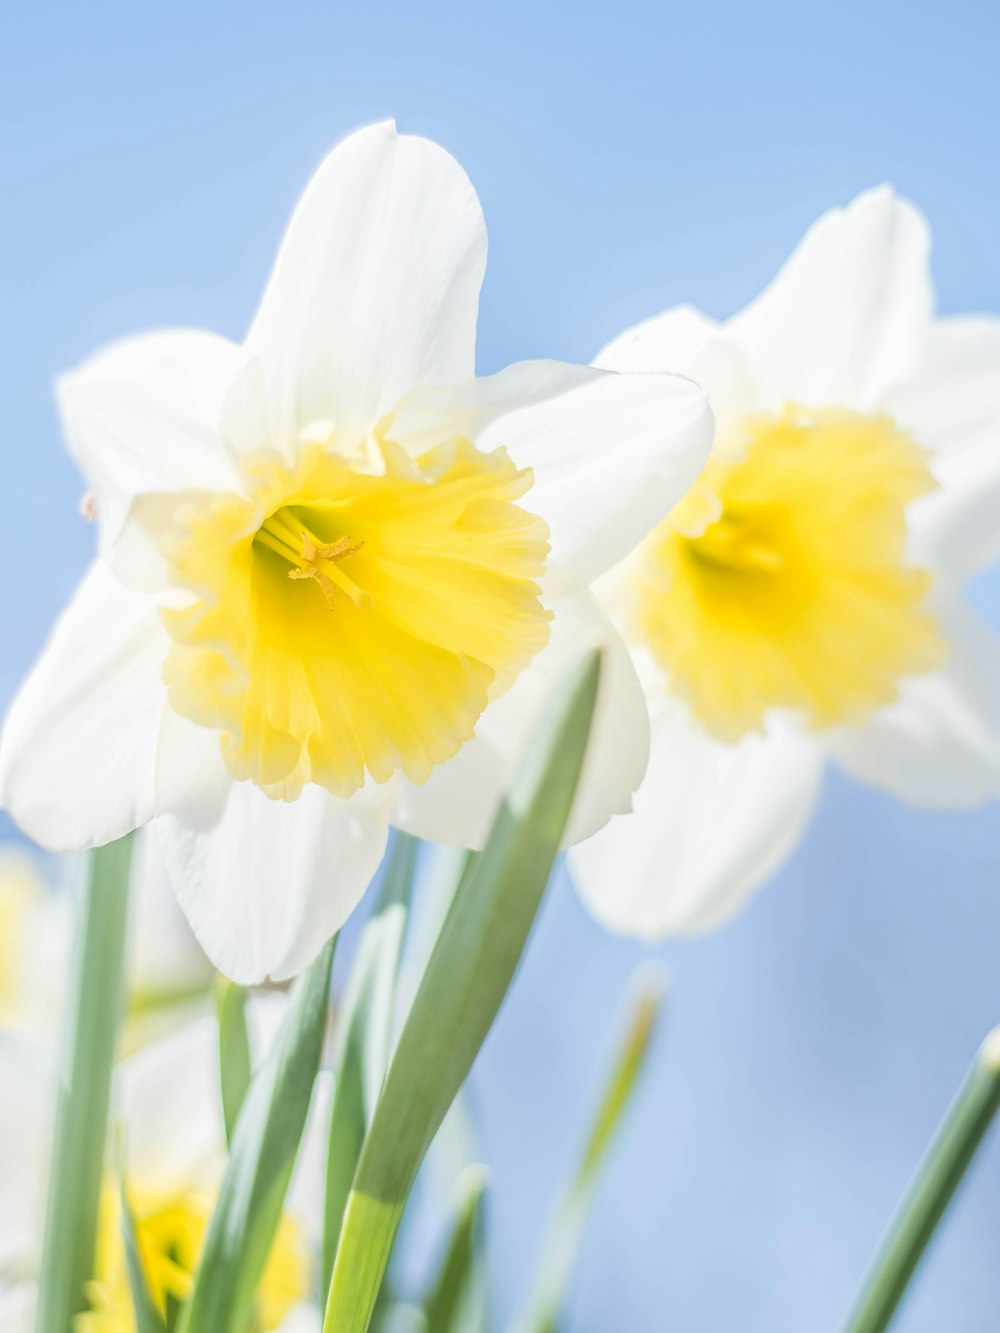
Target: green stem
930,1192
93,1012
559,1252
470,970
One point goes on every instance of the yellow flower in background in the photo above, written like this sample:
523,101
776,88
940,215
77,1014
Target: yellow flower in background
785,596
167,1100
803,602
170,1225
339,576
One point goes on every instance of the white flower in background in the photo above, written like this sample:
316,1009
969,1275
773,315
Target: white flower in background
166,965
803,601
167,1100
326,559
25,939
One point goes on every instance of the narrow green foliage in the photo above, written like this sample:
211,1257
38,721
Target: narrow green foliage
447,1308
562,1245
270,1128
147,1316
93,1013
235,1066
938,1176
466,979
365,1036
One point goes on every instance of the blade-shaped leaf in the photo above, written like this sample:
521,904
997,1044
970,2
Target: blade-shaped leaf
938,1176
147,1316
366,1033
470,970
268,1132
235,1065
562,1244
447,1307
93,1012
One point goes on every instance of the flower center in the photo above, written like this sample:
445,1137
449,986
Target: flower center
170,1230
310,557
347,622
782,581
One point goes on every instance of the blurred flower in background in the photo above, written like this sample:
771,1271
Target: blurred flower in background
167,1106
167,968
803,602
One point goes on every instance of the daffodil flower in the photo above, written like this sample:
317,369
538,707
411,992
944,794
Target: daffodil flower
338,576
803,602
167,970
167,1103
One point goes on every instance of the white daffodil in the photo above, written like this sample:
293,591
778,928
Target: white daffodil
803,601
166,966
326,558
167,1101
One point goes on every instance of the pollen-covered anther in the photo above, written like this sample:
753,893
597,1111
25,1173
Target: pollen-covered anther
313,559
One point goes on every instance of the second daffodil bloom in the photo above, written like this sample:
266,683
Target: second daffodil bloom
338,576
168,1107
803,602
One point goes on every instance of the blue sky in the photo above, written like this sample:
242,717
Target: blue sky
628,157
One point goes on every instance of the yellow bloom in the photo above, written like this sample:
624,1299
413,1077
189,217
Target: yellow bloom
350,622
792,597
802,602
339,576
166,1100
170,1231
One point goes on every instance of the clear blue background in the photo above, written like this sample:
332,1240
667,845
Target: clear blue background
628,156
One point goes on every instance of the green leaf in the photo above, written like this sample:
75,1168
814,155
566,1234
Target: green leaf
562,1244
366,1033
938,1176
248,1209
467,977
447,1308
93,1013
235,1065
147,1316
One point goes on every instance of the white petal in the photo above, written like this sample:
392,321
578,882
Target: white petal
168,1097
459,801
78,746
670,341
264,883
376,287
712,822
952,404
848,312
143,416
307,1190
164,955
303,1319
685,341
17,1307
939,745
611,454
27,1096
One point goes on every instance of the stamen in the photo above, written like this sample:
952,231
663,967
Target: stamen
312,559
730,545
320,562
